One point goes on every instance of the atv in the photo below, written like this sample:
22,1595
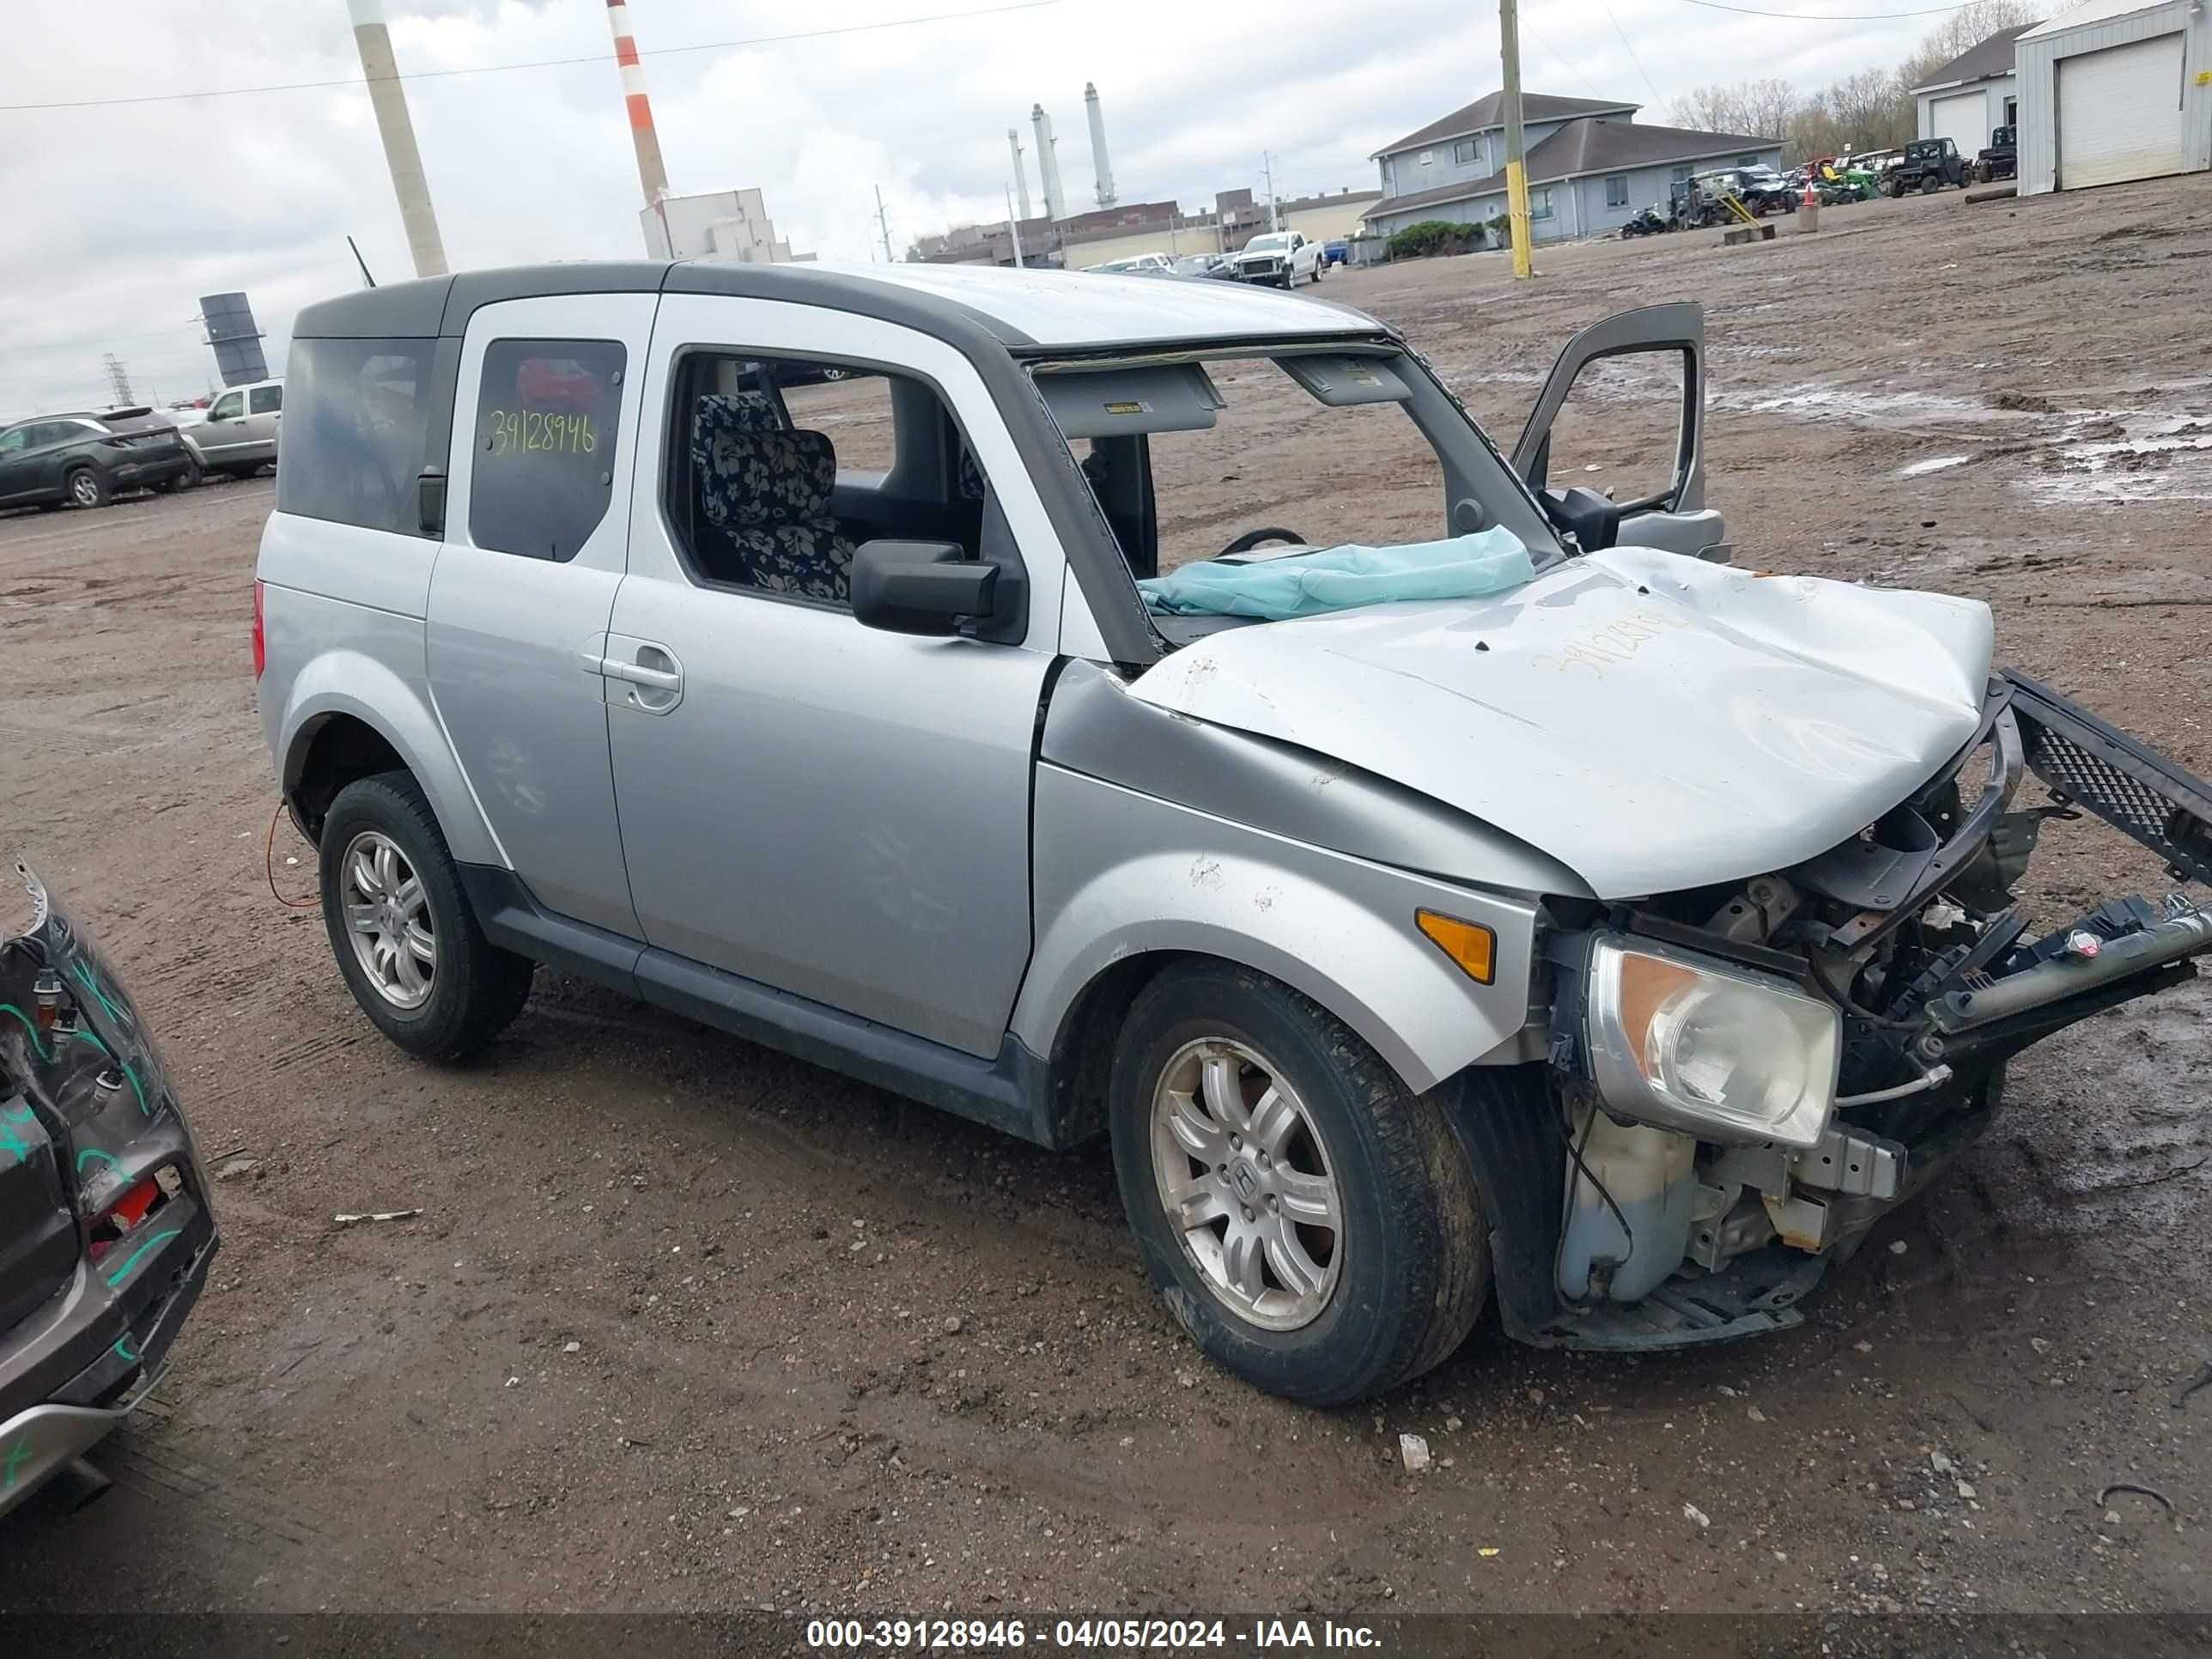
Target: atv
2002,159
1647,222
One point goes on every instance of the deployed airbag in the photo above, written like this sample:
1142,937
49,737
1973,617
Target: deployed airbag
1343,578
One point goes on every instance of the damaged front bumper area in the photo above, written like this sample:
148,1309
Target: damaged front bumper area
105,1232
1754,1076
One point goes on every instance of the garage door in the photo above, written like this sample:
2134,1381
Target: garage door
1964,118
2119,113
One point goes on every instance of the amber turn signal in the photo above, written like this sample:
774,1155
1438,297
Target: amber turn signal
1469,944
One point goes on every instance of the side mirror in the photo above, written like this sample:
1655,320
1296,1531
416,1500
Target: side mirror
1588,517
919,587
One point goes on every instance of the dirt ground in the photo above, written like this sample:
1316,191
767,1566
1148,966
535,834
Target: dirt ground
687,1324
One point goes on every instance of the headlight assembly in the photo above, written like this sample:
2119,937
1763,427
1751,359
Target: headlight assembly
1689,1043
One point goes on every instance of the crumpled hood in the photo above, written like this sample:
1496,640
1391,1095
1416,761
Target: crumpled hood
1651,721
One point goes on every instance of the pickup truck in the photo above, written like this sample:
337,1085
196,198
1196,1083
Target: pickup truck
239,434
1522,904
1279,258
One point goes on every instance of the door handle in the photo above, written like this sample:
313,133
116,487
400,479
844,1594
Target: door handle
638,673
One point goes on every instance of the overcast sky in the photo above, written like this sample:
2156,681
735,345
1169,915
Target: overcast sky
118,217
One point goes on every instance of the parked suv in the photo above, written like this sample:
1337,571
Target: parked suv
931,726
239,435
85,459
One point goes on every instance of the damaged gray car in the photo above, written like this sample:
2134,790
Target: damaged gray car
1586,922
104,1228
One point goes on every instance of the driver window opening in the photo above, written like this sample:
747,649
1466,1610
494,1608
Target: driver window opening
779,467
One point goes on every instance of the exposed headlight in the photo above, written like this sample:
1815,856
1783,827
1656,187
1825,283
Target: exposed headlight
1689,1043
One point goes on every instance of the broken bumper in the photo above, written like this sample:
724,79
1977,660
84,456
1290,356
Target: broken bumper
109,1235
1910,932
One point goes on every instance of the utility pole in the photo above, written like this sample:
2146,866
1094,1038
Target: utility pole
1014,228
884,223
388,97
1021,173
1268,166
1516,167
118,381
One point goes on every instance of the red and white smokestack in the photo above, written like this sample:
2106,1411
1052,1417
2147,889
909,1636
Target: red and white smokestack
650,171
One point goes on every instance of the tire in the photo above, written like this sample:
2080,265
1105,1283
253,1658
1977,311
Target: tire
1406,1264
472,989
1931,183
85,487
190,478
1321,270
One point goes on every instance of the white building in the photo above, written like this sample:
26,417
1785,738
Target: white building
723,224
2115,89
1973,95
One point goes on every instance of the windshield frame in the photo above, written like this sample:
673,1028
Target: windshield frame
1472,465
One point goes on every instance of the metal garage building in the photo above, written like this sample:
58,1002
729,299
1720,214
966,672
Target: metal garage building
2115,89
1975,93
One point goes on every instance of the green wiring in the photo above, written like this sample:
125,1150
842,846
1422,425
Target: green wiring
94,1151
92,984
36,1047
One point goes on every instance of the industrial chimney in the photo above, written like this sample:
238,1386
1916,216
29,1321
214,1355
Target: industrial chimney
1055,204
387,96
1021,178
1099,165
650,173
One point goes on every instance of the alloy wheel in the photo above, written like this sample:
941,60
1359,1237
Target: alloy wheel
84,489
388,920
1241,1168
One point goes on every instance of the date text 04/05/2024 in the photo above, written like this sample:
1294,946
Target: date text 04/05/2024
1110,1635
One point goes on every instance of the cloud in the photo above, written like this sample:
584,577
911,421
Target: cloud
119,217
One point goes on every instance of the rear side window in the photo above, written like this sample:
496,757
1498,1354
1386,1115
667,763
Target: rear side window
543,469
265,400
360,431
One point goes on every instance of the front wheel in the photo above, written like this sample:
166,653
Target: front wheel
405,939
1312,1223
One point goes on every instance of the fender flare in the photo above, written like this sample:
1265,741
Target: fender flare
1363,961
354,684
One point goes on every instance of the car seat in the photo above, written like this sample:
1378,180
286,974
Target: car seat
764,494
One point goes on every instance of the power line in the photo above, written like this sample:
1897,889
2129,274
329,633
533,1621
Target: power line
90,340
1828,17
539,63
1631,51
1562,62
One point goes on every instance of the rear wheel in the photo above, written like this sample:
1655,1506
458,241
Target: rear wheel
1312,1223
404,937
85,487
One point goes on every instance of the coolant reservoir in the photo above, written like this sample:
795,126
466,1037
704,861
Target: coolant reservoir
1651,1175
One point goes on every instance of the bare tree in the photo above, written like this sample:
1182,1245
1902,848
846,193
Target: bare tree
1874,109
1756,108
